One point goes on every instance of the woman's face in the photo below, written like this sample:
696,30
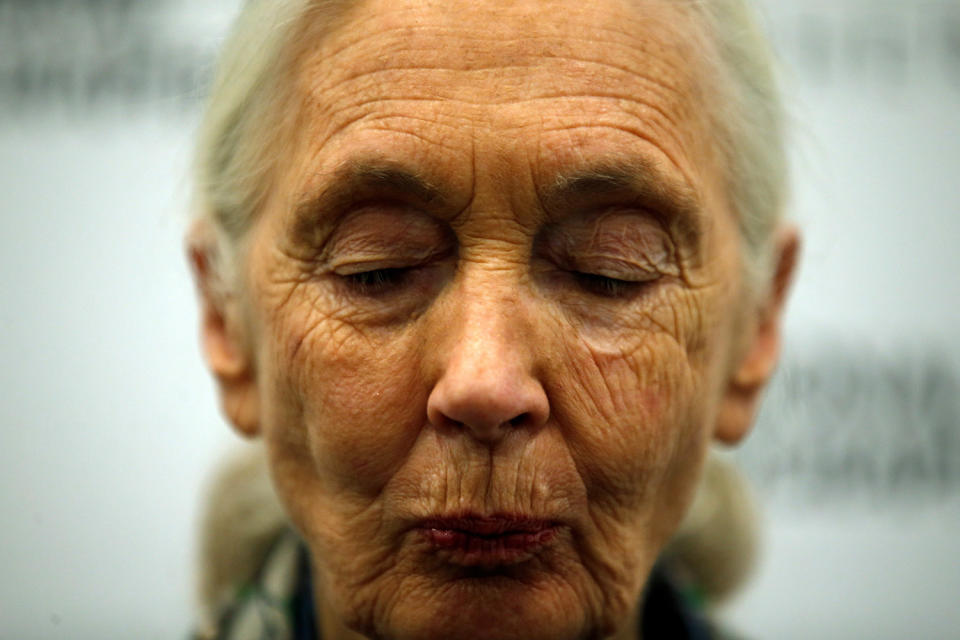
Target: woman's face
491,312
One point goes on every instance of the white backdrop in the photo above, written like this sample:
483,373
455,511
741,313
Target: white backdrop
108,422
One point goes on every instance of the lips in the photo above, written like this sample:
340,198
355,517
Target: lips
487,541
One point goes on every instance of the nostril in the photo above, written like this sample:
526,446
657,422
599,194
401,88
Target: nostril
520,420
444,422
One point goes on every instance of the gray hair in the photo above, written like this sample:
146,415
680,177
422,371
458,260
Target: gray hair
233,159
749,128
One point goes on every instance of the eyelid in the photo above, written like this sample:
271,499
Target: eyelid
622,268
378,227
618,270
352,268
376,239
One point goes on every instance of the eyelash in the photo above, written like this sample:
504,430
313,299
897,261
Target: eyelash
382,281
377,281
605,286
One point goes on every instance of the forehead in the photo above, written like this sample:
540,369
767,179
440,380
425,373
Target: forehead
542,83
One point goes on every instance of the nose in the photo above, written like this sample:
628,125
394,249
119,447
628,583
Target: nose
488,384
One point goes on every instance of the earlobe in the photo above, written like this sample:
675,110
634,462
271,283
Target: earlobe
222,337
762,348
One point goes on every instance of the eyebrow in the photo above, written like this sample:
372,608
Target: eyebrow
356,181
384,177
638,181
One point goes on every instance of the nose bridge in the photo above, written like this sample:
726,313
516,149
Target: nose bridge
487,383
491,336
490,320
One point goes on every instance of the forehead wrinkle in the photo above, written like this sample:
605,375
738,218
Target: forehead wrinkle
451,116
385,125
591,79
663,93
651,64
440,58
445,124
667,126
407,27
420,123
664,121
338,123
394,37
655,59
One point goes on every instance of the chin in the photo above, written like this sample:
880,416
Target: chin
487,612
483,604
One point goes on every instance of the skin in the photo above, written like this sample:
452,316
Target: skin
496,273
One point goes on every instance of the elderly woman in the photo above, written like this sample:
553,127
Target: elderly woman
487,278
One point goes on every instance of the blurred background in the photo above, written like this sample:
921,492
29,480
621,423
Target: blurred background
108,421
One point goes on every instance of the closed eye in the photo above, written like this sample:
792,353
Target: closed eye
377,281
605,286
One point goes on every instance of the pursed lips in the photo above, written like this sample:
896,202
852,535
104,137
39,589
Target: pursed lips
501,540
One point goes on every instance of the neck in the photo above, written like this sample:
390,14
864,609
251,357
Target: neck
329,624
630,630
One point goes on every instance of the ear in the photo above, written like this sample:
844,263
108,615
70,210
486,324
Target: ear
223,336
761,346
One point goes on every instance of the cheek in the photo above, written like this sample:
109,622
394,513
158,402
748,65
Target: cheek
638,409
634,422
352,401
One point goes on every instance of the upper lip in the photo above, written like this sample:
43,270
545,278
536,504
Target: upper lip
487,525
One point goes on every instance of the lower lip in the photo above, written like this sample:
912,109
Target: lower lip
470,549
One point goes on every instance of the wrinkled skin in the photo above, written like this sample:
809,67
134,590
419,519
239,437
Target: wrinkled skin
496,274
